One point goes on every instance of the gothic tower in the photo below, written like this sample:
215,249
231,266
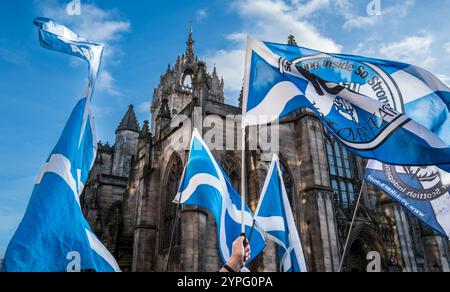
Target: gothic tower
127,136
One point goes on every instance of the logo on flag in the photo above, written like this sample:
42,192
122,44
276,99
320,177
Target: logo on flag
362,77
419,183
420,190
275,88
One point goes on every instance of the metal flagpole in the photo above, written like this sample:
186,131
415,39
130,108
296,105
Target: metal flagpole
172,236
351,226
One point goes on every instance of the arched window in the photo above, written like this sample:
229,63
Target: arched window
331,159
337,152
348,172
343,173
344,194
187,79
351,192
169,209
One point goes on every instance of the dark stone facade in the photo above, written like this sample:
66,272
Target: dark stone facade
128,197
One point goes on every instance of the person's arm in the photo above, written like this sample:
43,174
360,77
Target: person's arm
239,256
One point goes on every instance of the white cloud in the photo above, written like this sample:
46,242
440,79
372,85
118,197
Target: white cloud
144,107
106,83
272,20
95,24
359,21
310,7
413,49
444,78
236,37
230,64
201,14
447,47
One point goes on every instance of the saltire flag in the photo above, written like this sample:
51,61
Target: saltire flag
422,190
205,184
54,236
275,87
274,217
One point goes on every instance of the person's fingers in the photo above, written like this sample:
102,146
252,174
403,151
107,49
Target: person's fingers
247,252
239,242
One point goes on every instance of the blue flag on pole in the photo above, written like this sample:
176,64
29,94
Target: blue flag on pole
206,184
406,88
276,86
274,217
423,191
53,235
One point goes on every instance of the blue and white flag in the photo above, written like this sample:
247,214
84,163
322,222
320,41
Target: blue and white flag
276,86
274,217
59,38
423,191
206,184
406,88
53,235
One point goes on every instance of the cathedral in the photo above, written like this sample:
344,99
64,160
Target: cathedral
129,194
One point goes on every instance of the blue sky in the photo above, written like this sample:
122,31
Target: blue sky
38,88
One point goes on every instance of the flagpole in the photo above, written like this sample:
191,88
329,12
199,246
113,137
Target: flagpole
243,181
172,236
351,226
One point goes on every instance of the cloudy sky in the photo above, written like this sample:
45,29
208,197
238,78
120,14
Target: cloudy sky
39,87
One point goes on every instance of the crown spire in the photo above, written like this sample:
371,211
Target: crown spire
190,42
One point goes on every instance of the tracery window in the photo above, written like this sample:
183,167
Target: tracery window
343,173
169,209
232,168
187,79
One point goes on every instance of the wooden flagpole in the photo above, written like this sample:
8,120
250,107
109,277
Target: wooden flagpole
243,181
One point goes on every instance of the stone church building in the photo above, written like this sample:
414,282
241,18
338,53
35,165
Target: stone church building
128,198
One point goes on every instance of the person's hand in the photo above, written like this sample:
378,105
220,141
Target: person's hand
240,254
